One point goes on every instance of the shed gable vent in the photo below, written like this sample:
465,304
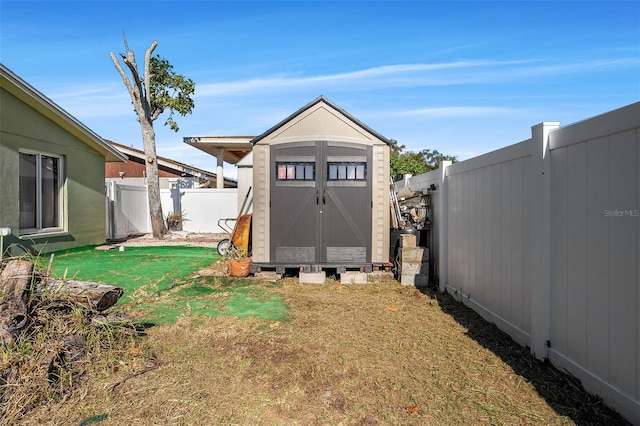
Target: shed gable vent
321,122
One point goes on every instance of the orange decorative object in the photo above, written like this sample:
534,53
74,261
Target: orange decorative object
239,268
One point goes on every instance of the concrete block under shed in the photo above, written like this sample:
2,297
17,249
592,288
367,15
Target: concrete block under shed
312,277
414,268
408,240
413,265
418,280
267,276
414,260
414,254
380,276
353,277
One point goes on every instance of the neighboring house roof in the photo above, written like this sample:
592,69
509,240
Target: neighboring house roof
310,105
179,167
45,106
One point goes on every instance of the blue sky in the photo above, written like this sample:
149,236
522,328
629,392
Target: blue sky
462,77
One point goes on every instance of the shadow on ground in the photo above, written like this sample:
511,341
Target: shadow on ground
563,392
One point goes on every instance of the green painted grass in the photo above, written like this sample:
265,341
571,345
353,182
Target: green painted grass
159,285
138,270
214,296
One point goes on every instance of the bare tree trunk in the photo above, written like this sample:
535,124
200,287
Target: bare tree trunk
153,181
141,97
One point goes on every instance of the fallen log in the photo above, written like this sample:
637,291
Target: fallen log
15,284
93,295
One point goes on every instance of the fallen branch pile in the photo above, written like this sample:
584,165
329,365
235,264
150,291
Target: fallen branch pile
19,281
50,331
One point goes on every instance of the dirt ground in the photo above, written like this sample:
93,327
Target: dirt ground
373,354
182,238
534,380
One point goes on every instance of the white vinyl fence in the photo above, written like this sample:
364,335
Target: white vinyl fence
128,209
542,239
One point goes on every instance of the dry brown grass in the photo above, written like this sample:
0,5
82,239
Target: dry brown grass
355,355
57,354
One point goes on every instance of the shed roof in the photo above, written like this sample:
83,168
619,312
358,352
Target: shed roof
45,106
312,104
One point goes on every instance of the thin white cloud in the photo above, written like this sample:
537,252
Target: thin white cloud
111,100
387,75
574,67
417,75
91,89
455,111
93,100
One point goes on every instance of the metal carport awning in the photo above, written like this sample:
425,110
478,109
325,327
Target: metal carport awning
225,148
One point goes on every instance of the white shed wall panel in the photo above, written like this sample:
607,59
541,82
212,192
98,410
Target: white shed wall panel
381,213
261,212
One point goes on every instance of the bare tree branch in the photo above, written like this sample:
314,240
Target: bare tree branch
147,76
130,62
126,44
134,91
156,113
138,90
127,83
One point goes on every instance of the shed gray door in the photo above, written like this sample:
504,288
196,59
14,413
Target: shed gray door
321,203
295,224
346,203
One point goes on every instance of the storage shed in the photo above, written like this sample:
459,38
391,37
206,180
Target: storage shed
321,193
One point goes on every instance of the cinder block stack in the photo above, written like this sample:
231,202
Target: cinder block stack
354,277
312,277
414,262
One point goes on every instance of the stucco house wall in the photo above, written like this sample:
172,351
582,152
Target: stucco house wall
30,121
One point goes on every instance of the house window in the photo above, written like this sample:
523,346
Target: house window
40,192
347,171
295,171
